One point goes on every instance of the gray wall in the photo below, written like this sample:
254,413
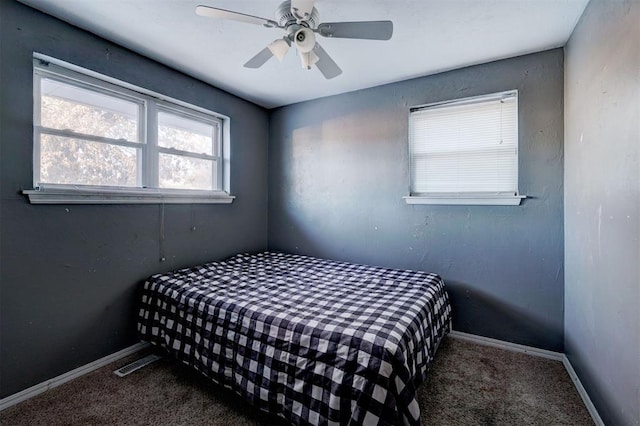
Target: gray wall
602,204
338,168
69,274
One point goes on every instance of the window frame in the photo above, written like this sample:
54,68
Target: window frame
463,198
147,190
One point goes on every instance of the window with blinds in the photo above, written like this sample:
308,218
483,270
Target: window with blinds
466,148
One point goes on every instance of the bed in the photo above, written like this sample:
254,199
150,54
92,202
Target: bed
311,340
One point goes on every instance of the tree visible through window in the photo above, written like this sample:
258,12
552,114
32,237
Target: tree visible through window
196,166
80,131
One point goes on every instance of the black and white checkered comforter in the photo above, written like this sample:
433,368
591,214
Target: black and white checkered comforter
314,341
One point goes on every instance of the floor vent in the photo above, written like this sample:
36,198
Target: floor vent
136,365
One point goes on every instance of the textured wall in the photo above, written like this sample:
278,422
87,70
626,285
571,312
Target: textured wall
602,203
69,274
338,168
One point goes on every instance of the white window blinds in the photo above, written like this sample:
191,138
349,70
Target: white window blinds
469,146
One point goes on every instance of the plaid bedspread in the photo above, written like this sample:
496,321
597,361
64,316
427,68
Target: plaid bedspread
314,341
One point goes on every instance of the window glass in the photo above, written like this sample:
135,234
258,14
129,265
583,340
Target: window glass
76,109
180,172
79,162
185,134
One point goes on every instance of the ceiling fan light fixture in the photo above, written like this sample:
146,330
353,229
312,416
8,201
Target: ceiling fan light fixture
279,48
308,59
305,40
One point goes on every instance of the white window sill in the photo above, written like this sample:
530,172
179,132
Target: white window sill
83,195
466,200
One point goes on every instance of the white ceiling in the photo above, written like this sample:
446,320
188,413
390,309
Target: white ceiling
430,36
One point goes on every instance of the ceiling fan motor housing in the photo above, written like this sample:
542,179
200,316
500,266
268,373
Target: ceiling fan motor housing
285,18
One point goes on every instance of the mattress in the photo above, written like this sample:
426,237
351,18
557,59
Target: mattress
314,341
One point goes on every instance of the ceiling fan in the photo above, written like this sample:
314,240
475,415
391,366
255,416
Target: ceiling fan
300,22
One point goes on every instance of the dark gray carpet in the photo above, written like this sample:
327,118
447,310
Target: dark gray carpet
468,384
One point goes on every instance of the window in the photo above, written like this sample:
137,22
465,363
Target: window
98,140
188,148
465,151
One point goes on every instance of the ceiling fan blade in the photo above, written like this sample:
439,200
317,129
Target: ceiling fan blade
257,61
214,12
368,30
325,64
302,9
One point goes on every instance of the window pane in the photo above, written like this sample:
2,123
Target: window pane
185,134
64,106
74,161
181,172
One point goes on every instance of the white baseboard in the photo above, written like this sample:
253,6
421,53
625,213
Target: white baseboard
501,344
557,356
64,378
582,391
